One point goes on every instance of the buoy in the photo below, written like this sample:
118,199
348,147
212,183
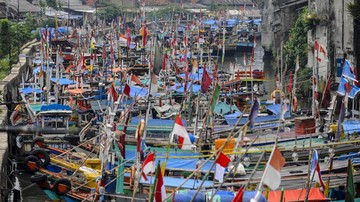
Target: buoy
273,94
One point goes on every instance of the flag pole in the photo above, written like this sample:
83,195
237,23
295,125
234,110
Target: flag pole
217,156
207,160
157,173
235,168
171,138
308,183
259,188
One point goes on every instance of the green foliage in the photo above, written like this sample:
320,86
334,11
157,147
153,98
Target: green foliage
354,9
4,68
107,10
5,32
304,75
167,12
297,43
12,37
49,22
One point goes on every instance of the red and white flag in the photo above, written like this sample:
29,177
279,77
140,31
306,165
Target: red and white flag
183,137
113,93
271,176
160,192
239,195
128,36
127,90
148,165
221,163
135,80
205,81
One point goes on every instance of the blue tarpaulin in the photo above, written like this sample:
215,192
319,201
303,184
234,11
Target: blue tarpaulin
136,91
156,122
29,90
209,22
37,69
54,107
62,81
195,88
178,159
276,108
233,115
351,126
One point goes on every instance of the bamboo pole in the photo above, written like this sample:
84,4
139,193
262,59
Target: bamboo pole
202,165
214,162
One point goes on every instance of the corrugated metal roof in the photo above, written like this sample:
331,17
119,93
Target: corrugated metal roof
24,6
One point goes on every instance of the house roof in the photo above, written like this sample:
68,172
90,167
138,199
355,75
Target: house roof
24,6
77,5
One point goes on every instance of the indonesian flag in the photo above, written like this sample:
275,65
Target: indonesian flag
160,192
128,36
164,62
205,81
127,90
322,50
113,93
316,45
239,195
315,169
148,165
272,177
135,80
221,163
183,137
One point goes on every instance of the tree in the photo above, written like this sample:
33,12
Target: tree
5,45
297,44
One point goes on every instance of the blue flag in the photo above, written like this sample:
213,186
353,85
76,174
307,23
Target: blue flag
348,72
254,112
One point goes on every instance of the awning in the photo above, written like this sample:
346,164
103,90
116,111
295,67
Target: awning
276,108
222,108
29,90
62,81
351,126
55,107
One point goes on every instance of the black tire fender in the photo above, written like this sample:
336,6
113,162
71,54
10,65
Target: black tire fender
62,186
38,142
38,178
32,164
42,155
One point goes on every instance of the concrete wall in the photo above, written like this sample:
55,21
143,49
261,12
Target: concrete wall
9,87
335,30
278,17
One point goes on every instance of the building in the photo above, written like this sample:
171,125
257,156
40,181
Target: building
17,9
